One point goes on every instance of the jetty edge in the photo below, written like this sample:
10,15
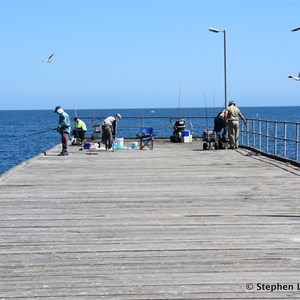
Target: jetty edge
175,222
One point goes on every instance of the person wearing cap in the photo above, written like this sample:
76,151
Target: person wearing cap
64,128
79,130
231,116
109,126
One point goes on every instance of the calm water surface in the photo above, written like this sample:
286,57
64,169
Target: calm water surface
26,133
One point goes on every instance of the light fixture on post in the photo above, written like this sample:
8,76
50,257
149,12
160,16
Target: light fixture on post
291,76
215,30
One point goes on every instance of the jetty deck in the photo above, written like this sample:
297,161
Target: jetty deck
176,222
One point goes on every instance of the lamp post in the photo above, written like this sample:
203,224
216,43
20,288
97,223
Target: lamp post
215,30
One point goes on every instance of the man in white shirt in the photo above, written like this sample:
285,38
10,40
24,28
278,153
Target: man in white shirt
109,130
231,116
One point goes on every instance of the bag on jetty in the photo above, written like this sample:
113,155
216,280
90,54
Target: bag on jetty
87,145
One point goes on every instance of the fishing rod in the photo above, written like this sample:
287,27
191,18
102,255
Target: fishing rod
215,102
40,132
206,116
192,127
179,94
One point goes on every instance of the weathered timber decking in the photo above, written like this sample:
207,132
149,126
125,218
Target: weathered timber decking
173,223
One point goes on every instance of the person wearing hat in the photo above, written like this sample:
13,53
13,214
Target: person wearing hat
109,126
79,131
64,128
231,116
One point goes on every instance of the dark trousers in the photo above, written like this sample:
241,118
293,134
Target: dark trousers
220,124
64,141
78,133
107,136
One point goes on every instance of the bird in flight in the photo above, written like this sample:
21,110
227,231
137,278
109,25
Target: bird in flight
296,29
295,77
48,60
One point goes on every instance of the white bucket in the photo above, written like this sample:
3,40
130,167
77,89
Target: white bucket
120,142
186,139
134,145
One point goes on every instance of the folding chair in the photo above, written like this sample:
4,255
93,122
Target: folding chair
146,138
96,131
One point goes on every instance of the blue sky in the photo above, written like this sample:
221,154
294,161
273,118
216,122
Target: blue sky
139,54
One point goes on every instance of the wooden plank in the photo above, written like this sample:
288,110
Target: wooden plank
176,222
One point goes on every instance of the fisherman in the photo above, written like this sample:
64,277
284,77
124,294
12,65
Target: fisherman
232,115
79,131
64,128
219,123
109,126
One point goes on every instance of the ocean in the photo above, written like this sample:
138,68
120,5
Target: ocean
27,133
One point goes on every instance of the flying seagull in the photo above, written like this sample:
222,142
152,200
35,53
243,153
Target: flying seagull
48,60
296,29
295,77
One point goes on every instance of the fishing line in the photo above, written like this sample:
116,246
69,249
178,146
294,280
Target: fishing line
206,117
39,132
228,90
214,102
73,99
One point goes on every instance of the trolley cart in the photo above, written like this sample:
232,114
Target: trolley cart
210,140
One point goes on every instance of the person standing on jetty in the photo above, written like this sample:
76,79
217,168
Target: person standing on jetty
231,116
64,128
109,130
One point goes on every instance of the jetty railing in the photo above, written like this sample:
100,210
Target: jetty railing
274,138
162,126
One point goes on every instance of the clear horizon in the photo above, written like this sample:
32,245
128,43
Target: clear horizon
150,108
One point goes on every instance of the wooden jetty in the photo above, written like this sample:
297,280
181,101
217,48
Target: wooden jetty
176,222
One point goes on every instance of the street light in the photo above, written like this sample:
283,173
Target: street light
215,30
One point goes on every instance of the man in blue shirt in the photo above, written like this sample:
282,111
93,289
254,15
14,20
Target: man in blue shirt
64,128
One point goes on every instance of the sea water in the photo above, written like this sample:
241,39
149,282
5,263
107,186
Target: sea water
26,133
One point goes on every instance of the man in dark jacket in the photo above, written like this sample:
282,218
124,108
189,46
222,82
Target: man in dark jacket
219,123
